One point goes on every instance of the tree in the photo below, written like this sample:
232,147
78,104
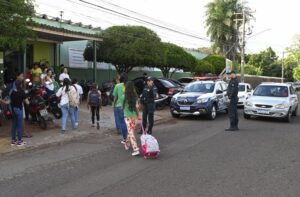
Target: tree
15,17
127,47
267,61
252,70
203,67
217,62
292,60
174,57
220,21
296,73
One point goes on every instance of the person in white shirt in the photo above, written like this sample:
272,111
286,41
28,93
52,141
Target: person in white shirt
63,92
43,75
80,93
64,75
49,83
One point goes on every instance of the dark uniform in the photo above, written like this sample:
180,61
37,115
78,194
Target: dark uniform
147,99
232,92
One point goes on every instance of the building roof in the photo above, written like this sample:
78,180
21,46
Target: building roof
53,29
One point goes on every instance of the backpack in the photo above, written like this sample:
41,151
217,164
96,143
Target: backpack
73,97
94,99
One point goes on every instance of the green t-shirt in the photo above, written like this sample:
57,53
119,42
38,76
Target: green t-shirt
119,93
128,113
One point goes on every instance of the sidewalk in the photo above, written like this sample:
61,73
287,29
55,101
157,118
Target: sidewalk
52,135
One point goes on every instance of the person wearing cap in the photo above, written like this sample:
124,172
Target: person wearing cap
232,93
148,96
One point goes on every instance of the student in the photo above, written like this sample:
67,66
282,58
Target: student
79,93
49,83
119,94
36,73
64,75
118,126
130,107
94,103
64,93
17,98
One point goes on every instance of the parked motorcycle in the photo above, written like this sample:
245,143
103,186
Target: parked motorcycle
37,106
106,92
53,106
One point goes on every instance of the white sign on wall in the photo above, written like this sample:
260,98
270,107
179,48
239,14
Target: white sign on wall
76,59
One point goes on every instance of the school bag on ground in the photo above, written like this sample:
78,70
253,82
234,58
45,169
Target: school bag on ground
94,98
73,97
149,144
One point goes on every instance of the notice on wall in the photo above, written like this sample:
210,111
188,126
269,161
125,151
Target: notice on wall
76,59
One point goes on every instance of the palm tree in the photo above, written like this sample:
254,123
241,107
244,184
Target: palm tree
222,26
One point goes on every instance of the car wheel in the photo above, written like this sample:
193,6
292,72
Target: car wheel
288,116
246,116
295,113
175,115
212,114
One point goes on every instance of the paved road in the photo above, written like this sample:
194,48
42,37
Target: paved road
198,159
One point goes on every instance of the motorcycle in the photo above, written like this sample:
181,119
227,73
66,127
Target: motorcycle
53,106
106,92
86,86
37,106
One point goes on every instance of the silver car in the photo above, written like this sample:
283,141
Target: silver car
277,100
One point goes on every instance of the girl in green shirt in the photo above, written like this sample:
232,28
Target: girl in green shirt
131,114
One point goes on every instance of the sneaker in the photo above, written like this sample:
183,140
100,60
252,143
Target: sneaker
126,147
76,124
123,141
13,143
98,125
135,153
21,143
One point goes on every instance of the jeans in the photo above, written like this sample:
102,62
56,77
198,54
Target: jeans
17,124
148,114
119,117
65,109
117,123
76,114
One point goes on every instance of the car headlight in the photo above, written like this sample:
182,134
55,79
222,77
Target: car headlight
249,104
202,100
282,106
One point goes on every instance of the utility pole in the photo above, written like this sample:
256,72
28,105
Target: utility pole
243,49
282,68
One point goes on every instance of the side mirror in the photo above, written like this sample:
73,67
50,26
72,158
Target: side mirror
219,92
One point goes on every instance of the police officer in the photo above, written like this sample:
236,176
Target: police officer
232,93
148,96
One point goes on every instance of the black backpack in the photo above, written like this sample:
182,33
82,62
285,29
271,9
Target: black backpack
94,98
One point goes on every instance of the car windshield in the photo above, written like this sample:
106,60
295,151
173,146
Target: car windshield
242,88
273,91
167,84
200,87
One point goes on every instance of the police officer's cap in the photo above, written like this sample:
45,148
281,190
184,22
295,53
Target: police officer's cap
230,72
150,79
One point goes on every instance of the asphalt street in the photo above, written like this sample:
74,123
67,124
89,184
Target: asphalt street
198,158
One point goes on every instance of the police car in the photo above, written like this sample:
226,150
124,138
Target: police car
200,98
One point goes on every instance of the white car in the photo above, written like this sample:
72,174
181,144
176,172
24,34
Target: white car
275,100
245,91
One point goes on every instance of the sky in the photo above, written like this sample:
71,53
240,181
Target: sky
275,25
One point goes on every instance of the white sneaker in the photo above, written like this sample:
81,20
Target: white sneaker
76,124
126,147
135,153
123,142
21,143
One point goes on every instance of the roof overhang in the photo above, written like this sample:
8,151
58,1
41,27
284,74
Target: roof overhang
60,35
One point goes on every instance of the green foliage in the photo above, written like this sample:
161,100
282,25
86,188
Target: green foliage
127,47
296,73
203,67
293,59
220,16
217,62
267,61
15,17
177,58
252,70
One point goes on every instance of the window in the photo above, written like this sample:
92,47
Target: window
292,90
200,87
272,91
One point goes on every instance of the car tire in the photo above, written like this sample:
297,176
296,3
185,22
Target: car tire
295,112
212,113
288,117
246,116
175,115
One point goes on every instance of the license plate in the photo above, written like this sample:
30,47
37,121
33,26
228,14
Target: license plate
263,111
43,112
185,108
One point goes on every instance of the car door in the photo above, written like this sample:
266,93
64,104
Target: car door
220,96
293,98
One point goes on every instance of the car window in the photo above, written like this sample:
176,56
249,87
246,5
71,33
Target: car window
200,87
224,86
185,80
292,90
219,88
242,88
272,91
166,83
249,88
